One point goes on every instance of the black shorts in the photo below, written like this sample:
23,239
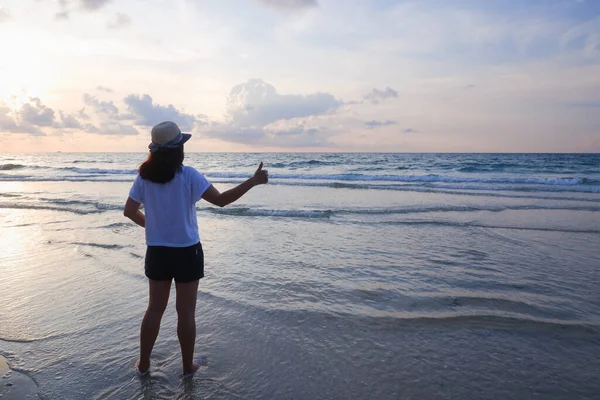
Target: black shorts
184,264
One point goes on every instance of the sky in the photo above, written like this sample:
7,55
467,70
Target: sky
301,75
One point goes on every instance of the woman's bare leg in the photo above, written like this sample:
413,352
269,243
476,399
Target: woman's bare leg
186,323
159,297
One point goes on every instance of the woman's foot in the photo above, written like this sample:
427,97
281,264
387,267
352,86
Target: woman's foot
142,368
191,370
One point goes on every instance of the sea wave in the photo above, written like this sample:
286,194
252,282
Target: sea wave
77,170
490,318
100,171
117,225
478,225
94,207
92,161
95,204
306,163
47,207
77,174
431,187
261,212
418,178
101,245
9,167
469,189
257,212
70,206
81,178
493,320
450,208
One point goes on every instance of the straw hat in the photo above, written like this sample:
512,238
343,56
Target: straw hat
167,135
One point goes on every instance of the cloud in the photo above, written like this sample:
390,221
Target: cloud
90,128
67,121
111,128
257,103
92,5
9,123
273,135
36,114
104,107
288,4
376,124
298,136
236,134
81,114
4,14
89,5
293,131
201,120
148,114
61,16
115,128
109,115
64,14
257,114
376,95
121,21
104,89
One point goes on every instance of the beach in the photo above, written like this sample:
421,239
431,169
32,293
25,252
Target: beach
354,275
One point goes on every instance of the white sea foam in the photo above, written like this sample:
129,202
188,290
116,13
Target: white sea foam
413,178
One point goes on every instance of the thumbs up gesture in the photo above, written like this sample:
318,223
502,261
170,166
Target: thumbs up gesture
261,175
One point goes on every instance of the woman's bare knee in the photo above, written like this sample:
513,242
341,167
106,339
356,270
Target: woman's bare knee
159,296
185,309
186,299
157,308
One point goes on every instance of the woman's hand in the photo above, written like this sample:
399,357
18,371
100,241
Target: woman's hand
261,176
212,195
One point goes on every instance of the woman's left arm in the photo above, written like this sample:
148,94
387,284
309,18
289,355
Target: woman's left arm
132,211
212,195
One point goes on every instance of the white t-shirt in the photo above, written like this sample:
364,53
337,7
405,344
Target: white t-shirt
170,207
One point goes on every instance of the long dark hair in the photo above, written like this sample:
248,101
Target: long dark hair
161,166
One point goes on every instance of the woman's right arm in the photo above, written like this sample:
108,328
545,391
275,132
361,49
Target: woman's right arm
132,211
212,195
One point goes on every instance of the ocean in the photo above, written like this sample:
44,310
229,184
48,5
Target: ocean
348,276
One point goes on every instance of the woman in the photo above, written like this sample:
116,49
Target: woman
169,191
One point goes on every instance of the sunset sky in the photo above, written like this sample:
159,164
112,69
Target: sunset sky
301,75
